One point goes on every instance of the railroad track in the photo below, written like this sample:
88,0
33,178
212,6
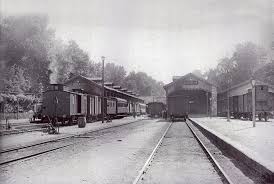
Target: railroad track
18,129
58,140
214,162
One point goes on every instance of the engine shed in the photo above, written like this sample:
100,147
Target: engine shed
191,95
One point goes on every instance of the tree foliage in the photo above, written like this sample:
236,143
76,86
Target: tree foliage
115,73
25,42
16,80
143,84
31,57
246,61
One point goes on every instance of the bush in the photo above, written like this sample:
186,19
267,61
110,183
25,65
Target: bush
21,102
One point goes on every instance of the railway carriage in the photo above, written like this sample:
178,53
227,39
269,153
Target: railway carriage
155,109
62,105
240,100
111,104
122,107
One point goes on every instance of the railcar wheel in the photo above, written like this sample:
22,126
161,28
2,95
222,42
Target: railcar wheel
70,121
260,116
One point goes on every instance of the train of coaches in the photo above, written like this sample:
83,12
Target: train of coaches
65,106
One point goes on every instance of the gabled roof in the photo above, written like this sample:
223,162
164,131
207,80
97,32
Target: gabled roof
186,76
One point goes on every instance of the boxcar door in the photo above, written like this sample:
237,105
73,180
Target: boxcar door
79,103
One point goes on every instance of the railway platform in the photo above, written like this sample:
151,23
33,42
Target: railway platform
255,144
30,138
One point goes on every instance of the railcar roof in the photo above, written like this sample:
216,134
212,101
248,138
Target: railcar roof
90,80
72,92
121,99
247,82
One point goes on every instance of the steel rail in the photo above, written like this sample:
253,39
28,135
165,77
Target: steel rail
33,155
210,156
148,161
65,137
53,149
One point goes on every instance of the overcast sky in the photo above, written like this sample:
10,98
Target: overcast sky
160,37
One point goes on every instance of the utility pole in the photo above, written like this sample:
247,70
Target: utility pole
253,82
228,110
207,104
17,116
103,89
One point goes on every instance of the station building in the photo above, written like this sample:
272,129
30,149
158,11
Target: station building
190,94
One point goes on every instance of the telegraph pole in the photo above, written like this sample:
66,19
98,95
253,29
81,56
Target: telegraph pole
228,113
103,89
253,83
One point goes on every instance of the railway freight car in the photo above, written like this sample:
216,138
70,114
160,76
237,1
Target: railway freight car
62,105
239,98
155,109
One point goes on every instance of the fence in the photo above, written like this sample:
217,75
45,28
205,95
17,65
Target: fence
20,115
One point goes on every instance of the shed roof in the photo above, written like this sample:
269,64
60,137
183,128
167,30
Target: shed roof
92,82
186,76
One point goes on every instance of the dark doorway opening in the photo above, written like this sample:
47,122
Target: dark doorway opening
79,104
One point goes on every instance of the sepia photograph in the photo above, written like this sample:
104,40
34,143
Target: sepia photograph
136,92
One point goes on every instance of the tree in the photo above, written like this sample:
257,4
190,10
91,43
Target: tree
69,60
16,81
143,84
198,73
248,58
115,73
245,62
26,41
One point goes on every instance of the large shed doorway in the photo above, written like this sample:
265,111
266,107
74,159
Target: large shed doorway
191,94
189,101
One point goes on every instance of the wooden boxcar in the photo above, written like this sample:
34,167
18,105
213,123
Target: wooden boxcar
240,100
62,105
155,109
